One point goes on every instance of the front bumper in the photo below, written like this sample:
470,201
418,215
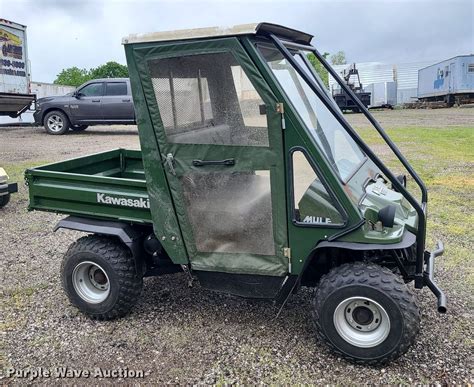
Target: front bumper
38,117
8,188
428,276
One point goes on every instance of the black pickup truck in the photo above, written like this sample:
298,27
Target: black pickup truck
97,102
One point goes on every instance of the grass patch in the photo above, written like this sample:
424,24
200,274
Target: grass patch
16,171
16,174
444,159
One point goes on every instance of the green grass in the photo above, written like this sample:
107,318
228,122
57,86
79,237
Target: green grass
16,171
16,174
444,159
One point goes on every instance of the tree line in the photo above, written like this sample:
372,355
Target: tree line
74,76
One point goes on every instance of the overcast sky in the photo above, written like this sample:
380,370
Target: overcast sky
88,33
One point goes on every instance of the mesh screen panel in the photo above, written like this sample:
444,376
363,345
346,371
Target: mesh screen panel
208,99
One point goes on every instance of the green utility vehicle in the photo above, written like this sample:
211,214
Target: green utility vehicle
6,188
250,180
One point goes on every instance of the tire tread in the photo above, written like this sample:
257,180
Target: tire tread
378,277
122,262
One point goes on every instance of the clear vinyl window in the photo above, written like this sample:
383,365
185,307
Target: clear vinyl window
312,203
230,212
339,148
208,99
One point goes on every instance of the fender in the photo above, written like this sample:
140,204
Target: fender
124,231
294,281
408,240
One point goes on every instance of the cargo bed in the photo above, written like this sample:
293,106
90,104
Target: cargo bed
108,185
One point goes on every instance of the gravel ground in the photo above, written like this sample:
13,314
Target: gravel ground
182,335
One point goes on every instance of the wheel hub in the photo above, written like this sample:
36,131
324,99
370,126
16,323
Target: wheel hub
361,322
55,123
91,282
363,315
98,277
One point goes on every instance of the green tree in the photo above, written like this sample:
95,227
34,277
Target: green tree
322,72
110,70
73,76
339,58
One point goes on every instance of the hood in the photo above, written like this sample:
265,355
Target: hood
53,98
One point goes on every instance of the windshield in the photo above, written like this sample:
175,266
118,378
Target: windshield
342,152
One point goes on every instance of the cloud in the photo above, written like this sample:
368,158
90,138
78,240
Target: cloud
86,33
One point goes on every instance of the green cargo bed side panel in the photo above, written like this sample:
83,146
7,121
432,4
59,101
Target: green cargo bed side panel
107,185
165,223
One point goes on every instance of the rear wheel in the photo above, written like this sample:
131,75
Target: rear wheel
79,128
56,122
365,313
100,278
4,199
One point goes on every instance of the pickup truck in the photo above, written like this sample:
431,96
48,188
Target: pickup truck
97,102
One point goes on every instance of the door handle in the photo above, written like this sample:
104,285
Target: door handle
96,100
169,162
126,100
226,162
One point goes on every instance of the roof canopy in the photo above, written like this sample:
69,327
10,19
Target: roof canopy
210,32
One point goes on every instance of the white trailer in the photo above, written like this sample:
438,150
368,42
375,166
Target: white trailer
15,93
450,81
382,94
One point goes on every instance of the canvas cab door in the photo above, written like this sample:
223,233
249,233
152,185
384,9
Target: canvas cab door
220,138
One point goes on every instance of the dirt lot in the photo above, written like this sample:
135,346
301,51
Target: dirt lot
182,335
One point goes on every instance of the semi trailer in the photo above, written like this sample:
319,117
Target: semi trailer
450,81
15,93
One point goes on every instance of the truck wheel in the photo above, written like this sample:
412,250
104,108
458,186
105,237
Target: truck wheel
365,313
100,278
4,199
79,128
56,122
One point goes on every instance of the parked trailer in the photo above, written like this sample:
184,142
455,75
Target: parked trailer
450,81
15,93
382,94
41,90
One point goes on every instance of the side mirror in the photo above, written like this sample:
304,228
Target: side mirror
77,94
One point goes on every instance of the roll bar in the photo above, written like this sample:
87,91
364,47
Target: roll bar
420,209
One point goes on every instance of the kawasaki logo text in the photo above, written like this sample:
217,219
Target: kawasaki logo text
136,203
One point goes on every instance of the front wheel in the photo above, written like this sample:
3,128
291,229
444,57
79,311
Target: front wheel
56,122
100,278
365,313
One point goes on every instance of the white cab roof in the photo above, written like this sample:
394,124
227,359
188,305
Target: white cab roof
210,32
